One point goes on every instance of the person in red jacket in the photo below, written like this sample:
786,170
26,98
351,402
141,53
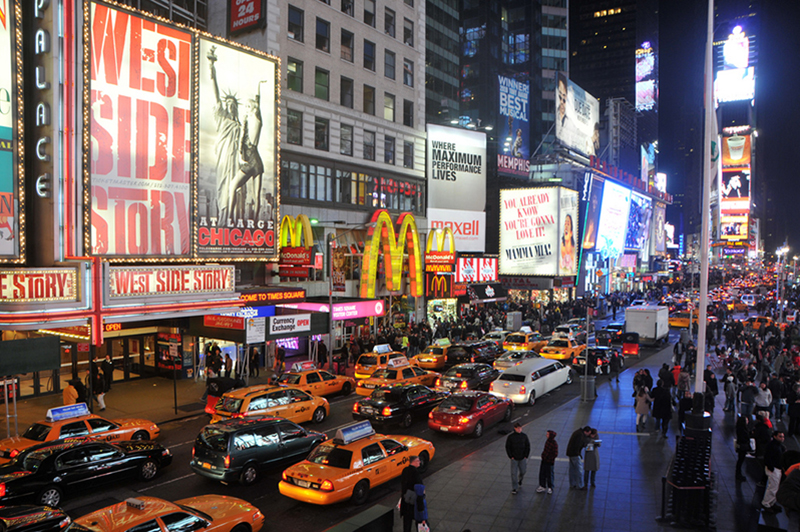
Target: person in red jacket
676,371
546,469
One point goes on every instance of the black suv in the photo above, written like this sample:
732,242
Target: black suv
239,449
400,403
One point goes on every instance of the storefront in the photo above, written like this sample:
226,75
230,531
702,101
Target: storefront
354,317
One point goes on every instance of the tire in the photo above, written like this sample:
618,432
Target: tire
509,412
148,470
141,435
360,493
424,460
249,475
50,496
532,399
241,528
478,432
347,388
407,420
319,415
569,377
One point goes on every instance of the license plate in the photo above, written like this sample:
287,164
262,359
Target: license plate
369,410
303,483
444,429
206,465
369,386
449,384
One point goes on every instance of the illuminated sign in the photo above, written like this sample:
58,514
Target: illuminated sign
468,227
11,196
660,181
382,237
736,49
735,85
436,255
438,286
34,286
734,251
289,323
613,220
342,311
476,270
734,227
293,271
640,214
273,297
736,150
296,241
646,78
735,191
224,322
456,168
141,281
514,130
577,117
245,15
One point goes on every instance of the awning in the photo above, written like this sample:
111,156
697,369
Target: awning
486,293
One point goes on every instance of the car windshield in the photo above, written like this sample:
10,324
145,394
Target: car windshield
385,374
214,438
455,405
461,373
37,432
289,378
331,455
368,360
194,510
515,339
558,343
433,351
229,404
386,395
512,377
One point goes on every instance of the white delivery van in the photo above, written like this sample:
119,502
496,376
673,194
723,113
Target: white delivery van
651,322
533,378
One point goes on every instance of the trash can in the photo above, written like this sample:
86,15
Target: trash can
588,390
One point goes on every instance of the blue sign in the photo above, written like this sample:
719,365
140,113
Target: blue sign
68,412
354,432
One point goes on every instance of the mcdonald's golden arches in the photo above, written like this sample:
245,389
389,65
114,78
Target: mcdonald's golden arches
382,235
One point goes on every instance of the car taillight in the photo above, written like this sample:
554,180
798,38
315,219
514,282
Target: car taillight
355,407
463,385
522,389
326,485
165,452
491,386
237,415
463,420
257,516
193,450
284,476
14,453
3,489
438,382
472,359
430,414
227,461
386,411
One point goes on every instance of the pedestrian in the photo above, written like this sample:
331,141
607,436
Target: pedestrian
70,394
711,380
98,387
729,387
228,364
684,382
763,399
108,371
591,461
253,361
547,467
677,353
662,406
747,398
280,355
322,354
743,446
577,441
83,395
794,417
518,448
773,457
642,409
616,364
410,478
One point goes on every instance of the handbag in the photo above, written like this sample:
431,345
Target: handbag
423,527
410,497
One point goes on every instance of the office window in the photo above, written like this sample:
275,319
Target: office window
346,140
369,12
388,64
294,127
322,84
409,3
369,100
346,92
408,32
388,150
323,35
408,72
348,43
321,133
295,24
388,22
294,75
369,145
408,154
408,113
388,106
348,7
369,55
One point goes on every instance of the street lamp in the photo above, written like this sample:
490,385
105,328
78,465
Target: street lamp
781,252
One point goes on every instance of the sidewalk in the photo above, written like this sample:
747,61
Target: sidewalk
475,493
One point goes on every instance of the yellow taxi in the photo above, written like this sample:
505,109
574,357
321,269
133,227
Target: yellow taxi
305,376
434,356
524,341
210,513
76,420
370,362
562,348
680,319
397,371
269,400
351,464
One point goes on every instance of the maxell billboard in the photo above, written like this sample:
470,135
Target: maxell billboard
456,169
469,227
514,128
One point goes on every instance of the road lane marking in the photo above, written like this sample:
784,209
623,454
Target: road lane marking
148,488
180,444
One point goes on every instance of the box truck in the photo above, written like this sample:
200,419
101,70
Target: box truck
650,322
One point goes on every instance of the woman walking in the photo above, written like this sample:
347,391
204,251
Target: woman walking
591,459
642,408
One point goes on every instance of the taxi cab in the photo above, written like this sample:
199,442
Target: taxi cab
524,341
269,400
397,371
562,348
680,319
76,420
211,513
305,376
351,464
434,356
369,362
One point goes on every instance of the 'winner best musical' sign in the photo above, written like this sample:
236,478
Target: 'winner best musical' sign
129,282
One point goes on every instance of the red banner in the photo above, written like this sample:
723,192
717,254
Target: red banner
293,271
244,15
224,322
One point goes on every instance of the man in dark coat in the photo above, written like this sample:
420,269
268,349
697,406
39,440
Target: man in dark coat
409,478
662,406
577,441
616,365
518,448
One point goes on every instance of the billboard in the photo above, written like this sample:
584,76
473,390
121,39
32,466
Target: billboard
456,168
735,85
660,182
10,196
734,190
382,239
577,117
733,227
537,231
237,181
244,15
514,129
735,62
640,214
141,131
646,77
469,227
476,270
736,150
592,218
659,235
613,220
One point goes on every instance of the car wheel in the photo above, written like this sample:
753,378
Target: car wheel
347,388
569,377
407,420
424,460
360,492
532,399
141,435
509,411
249,475
478,432
241,528
319,415
50,496
148,470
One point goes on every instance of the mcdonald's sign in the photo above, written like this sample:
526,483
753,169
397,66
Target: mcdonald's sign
294,232
382,236
437,258
438,286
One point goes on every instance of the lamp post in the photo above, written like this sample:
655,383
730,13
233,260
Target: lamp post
781,252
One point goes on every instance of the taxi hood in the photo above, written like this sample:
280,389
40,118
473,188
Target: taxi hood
218,506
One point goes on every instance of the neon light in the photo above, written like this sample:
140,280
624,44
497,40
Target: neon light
382,234
294,229
288,343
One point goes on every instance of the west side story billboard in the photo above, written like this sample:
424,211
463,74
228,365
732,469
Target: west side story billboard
152,94
9,135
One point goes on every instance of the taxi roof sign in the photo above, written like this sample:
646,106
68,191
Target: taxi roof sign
382,349
443,342
525,329
398,362
353,432
306,365
67,412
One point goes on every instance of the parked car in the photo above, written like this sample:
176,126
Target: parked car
470,413
240,449
467,377
616,330
514,358
534,378
398,404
